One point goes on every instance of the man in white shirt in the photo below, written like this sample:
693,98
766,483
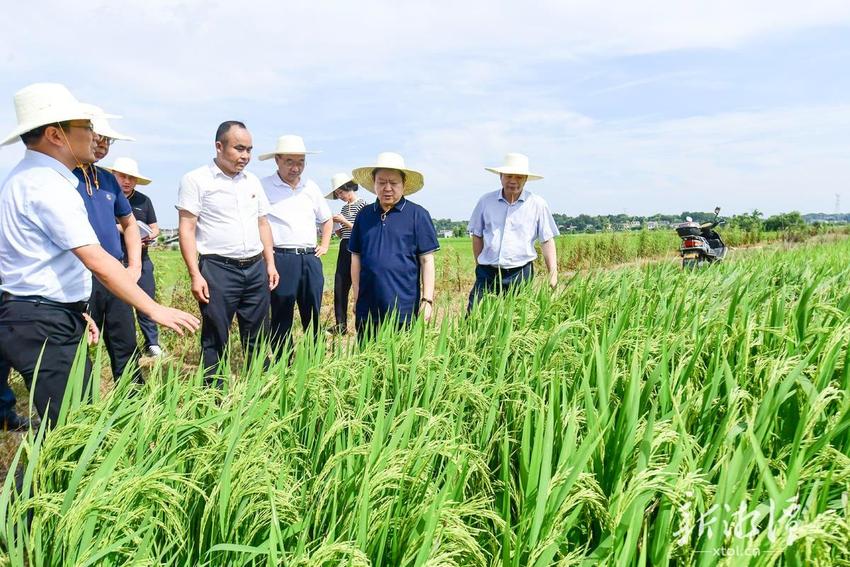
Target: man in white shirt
504,227
296,207
222,212
47,248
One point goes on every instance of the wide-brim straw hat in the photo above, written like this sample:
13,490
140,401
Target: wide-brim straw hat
515,164
414,181
337,181
129,166
41,104
288,144
103,128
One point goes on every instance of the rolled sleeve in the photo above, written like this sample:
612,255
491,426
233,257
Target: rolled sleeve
426,234
547,229
189,196
476,221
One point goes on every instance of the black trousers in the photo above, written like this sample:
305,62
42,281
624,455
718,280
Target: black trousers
234,290
7,396
492,279
342,286
147,282
27,329
301,283
117,327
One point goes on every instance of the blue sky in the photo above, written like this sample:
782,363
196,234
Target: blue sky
637,107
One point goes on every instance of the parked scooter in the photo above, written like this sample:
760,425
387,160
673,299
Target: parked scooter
701,244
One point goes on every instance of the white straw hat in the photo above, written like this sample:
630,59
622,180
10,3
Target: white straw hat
128,166
40,104
337,181
414,181
288,144
103,128
516,164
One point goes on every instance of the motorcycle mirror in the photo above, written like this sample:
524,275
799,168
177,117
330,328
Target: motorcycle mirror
689,219
716,210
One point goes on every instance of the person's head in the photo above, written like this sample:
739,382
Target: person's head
346,192
233,145
389,185
101,146
513,182
126,182
290,167
70,142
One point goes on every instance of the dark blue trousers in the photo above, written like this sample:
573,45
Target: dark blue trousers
7,396
147,282
492,279
301,283
234,290
117,327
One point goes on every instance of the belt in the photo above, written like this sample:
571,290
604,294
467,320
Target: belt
294,250
238,262
504,270
77,306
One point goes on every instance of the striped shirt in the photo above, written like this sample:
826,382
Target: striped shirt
349,212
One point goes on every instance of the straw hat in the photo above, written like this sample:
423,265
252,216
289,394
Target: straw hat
516,164
337,181
288,144
128,166
103,128
40,104
414,181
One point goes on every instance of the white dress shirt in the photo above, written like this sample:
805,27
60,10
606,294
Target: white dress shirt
43,218
509,230
294,213
228,210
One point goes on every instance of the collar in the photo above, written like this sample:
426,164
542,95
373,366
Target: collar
281,183
216,171
397,207
53,163
521,199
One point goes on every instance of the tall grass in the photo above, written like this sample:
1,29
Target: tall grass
643,416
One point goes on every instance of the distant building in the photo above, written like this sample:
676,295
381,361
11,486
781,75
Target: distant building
446,233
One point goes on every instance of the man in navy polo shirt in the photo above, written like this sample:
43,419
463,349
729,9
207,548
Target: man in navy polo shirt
392,248
106,204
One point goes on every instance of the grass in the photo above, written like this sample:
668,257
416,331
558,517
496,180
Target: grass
596,425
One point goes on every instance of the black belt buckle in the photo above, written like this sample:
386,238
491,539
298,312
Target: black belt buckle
298,251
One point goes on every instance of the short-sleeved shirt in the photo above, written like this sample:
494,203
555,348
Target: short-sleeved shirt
143,211
228,210
42,219
509,230
106,204
349,212
389,246
294,213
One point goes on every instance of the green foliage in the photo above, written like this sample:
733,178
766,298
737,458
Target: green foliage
788,222
597,424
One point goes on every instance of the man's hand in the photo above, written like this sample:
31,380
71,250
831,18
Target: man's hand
135,271
321,250
553,279
92,332
274,277
175,319
200,289
427,311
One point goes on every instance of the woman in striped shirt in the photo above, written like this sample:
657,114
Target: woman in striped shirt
344,189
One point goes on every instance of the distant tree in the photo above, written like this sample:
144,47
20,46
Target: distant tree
786,221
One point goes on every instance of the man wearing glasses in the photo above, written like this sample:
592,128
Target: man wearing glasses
106,204
47,249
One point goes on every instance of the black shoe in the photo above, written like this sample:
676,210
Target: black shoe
15,422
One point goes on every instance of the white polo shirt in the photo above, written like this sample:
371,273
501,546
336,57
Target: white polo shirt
509,230
43,218
228,210
294,213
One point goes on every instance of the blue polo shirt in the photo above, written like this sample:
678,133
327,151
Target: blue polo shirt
104,206
389,246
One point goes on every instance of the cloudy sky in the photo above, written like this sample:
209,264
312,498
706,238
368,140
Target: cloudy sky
636,106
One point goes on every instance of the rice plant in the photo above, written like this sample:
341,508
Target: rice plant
643,416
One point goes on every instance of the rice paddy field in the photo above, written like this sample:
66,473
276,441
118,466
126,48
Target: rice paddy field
642,415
